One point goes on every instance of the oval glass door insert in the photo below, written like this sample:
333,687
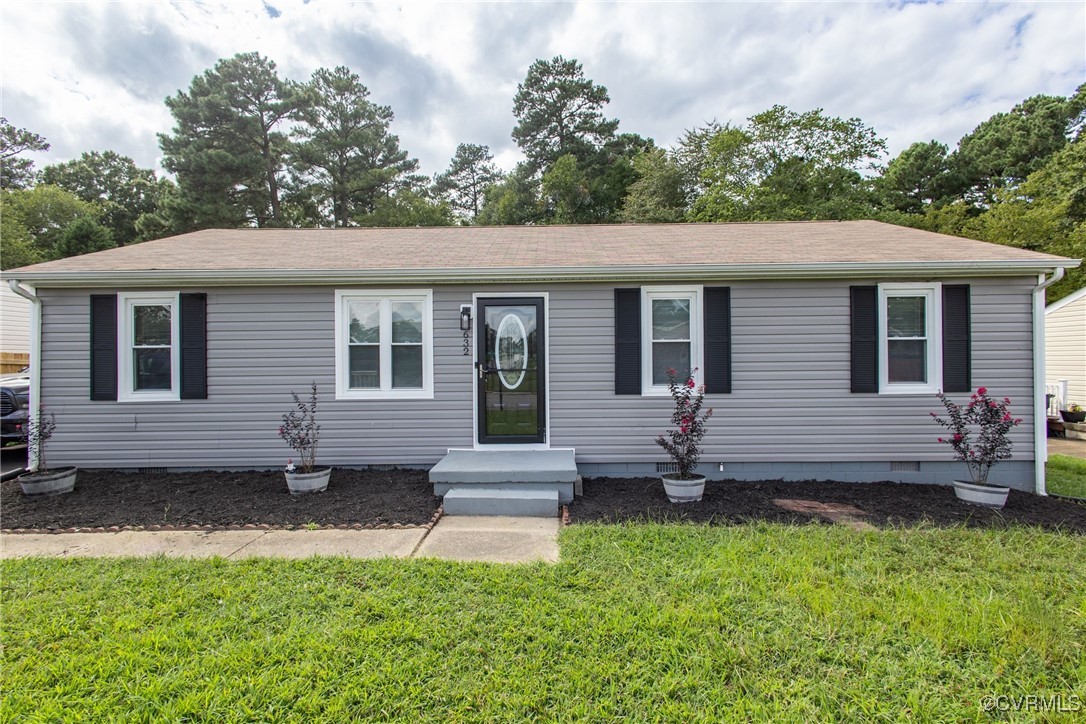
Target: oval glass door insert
510,350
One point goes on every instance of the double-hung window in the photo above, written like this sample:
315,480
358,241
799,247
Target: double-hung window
671,334
910,342
384,344
150,354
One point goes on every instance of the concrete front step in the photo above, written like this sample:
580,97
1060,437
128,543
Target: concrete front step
502,501
539,470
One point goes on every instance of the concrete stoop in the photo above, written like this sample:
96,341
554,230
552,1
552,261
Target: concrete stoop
505,482
502,501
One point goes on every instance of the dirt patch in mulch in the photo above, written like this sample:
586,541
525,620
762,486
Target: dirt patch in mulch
616,500
223,499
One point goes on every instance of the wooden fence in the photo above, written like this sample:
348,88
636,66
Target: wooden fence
13,362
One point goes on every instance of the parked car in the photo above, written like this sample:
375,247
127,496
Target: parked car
14,405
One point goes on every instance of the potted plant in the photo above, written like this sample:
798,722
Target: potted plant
683,443
990,421
43,481
1073,413
301,432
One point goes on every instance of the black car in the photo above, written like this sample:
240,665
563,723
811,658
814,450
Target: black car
14,405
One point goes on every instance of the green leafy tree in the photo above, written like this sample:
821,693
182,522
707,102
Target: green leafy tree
408,207
1003,150
471,171
559,112
346,154
1047,213
15,172
45,212
513,200
17,247
658,196
566,193
122,190
83,236
750,172
227,148
917,178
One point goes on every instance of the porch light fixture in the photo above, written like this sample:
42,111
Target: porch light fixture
465,317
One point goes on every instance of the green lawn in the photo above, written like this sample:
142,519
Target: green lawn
641,622
1066,475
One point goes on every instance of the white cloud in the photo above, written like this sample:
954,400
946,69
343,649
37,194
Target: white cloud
93,75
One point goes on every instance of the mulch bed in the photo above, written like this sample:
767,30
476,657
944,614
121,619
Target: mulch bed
401,497
615,500
104,499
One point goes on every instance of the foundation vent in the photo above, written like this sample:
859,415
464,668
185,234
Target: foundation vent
150,471
667,468
905,467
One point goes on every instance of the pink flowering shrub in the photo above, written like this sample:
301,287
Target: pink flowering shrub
300,429
683,443
986,419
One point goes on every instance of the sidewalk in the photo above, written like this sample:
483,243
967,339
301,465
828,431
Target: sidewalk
467,538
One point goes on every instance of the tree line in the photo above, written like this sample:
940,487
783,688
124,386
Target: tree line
250,148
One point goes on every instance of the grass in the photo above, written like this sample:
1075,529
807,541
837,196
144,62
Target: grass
1066,475
639,622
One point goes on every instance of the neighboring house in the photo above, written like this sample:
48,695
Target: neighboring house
1065,345
821,344
14,330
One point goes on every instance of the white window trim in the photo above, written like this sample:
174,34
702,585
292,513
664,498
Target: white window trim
385,296
933,293
697,332
126,302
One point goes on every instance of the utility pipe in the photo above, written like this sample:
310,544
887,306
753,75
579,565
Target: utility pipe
1040,406
35,363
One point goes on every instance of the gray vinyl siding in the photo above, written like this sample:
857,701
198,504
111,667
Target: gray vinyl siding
1065,349
790,399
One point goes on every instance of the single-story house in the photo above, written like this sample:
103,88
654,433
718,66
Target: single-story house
821,345
1065,347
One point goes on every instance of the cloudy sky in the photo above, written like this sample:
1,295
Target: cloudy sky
93,75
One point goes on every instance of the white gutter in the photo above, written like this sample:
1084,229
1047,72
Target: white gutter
1040,408
640,272
35,363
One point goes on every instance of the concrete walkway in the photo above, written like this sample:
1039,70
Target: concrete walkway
494,539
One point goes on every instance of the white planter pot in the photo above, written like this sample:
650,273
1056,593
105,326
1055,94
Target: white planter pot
315,482
684,491
989,496
54,482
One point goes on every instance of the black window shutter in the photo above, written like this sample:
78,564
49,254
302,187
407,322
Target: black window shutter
957,345
193,346
103,347
865,339
718,340
627,341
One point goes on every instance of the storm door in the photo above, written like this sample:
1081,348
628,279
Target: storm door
510,370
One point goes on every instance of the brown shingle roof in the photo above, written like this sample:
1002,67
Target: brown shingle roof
556,248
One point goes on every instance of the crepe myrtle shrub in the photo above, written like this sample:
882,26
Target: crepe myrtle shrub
683,442
300,429
978,431
37,432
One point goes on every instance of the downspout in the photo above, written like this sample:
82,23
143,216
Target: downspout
35,362
1040,407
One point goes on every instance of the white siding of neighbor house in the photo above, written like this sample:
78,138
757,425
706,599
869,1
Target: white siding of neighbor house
14,322
790,401
1065,348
